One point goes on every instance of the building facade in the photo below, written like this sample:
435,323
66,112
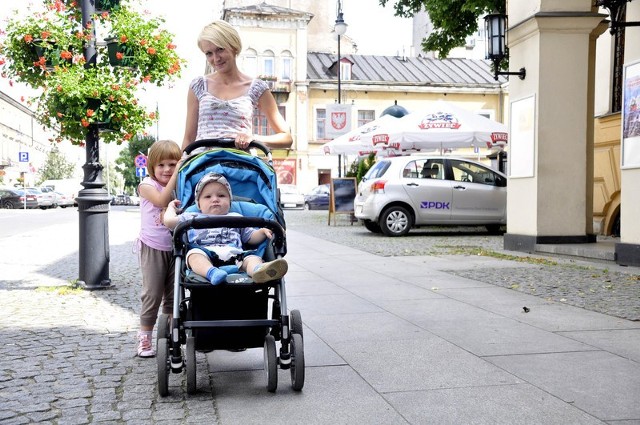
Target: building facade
292,44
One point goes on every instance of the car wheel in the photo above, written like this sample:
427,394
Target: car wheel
8,205
307,207
372,226
395,221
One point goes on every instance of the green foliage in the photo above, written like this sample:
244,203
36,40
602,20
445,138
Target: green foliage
44,49
453,20
125,164
360,167
55,167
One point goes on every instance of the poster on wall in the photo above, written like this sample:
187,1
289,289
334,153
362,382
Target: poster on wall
631,116
285,170
522,137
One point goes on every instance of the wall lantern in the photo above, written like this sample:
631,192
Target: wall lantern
496,28
617,9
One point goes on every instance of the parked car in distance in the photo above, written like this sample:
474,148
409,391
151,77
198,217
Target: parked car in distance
121,200
290,196
403,192
134,200
11,198
45,199
63,200
318,198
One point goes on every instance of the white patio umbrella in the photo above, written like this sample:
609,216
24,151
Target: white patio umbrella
439,125
353,143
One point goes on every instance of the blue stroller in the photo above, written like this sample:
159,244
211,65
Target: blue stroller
237,314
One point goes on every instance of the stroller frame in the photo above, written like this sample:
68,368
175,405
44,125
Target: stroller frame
229,316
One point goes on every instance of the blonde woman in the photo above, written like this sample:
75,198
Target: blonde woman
221,104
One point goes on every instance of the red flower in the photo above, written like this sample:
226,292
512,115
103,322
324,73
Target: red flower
65,54
90,112
146,78
2,61
119,56
123,39
84,122
28,38
143,42
151,51
171,46
45,34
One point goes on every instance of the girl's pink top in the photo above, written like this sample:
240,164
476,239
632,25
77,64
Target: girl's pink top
153,232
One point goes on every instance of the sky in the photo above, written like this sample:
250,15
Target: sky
186,23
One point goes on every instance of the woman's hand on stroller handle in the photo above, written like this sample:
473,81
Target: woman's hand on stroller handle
225,143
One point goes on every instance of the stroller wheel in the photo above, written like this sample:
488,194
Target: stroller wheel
270,363
191,364
162,326
296,322
163,366
297,362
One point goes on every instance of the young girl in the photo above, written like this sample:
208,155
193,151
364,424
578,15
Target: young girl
156,260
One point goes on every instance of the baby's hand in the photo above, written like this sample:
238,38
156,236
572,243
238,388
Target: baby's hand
174,204
267,232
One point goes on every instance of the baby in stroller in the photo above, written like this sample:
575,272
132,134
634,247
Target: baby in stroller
243,310
223,244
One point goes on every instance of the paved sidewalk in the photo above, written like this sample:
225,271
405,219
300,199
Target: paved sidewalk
416,339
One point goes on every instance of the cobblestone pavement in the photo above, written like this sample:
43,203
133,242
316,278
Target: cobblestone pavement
598,286
70,359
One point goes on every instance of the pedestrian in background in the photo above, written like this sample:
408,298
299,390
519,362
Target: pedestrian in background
155,242
221,104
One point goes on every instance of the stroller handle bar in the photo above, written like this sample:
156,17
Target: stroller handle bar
180,239
224,143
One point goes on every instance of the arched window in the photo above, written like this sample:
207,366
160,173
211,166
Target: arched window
250,62
286,71
268,63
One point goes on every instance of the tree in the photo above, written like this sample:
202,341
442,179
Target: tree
55,167
125,164
453,20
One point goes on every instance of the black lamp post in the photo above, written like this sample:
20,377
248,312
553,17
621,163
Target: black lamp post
496,28
93,200
340,28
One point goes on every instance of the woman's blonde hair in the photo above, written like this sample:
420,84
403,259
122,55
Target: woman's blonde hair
222,34
161,151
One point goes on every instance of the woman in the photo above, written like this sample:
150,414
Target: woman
221,104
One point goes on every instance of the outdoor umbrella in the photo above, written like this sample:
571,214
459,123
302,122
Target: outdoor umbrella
439,125
355,142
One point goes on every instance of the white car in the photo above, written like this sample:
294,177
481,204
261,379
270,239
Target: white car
63,200
403,192
290,196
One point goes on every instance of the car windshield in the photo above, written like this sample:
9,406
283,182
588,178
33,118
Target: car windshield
377,170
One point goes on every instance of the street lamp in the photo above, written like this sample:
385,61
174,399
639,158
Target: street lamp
340,29
93,199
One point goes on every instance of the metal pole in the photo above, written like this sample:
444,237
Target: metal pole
339,102
93,200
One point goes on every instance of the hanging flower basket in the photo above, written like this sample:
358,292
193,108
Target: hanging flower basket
35,44
119,54
139,43
79,97
49,54
44,49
